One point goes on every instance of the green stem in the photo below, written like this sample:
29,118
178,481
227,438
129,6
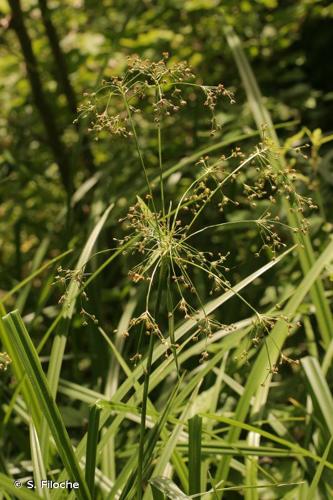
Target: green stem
160,161
159,134
129,114
146,386
171,321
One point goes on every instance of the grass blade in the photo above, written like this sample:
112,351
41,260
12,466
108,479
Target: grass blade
91,452
263,119
315,481
39,256
112,382
254,440
170,445
169,488
7,485
194,454
180,332
59,343
33,275
157,494
261,367
320,393
149,448
27,356
38,464
20,375
294,447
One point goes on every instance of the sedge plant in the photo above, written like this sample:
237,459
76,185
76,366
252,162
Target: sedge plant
159,231
160,236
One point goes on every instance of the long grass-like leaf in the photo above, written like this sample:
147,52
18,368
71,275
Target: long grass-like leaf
157,494
149,448
18,369
260,373
316,479
294,447
194,454
230,339
38,463
59,342
26,355
112,382
320,393
263,119
33,275
91,452
19,492
39,256
169,488
170,445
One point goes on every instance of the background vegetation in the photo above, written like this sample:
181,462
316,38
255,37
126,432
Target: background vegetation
136,360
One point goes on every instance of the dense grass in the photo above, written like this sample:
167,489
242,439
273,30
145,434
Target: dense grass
189,355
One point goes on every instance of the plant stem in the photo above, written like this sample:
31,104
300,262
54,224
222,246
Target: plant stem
171,321
129,114
146,386
159,133
160,161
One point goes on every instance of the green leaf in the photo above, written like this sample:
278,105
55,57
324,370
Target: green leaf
60,340
321,394
294,447
149,449
171,442
169,488
194,454
264,122
315,481
160,350
38,463
157,494
33,275
26,355
21,493
91,452
108,461
274,341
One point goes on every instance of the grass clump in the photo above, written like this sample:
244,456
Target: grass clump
166,419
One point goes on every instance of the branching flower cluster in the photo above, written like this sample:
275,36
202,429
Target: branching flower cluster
164,239
161,232
262,326
163,80
64,278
